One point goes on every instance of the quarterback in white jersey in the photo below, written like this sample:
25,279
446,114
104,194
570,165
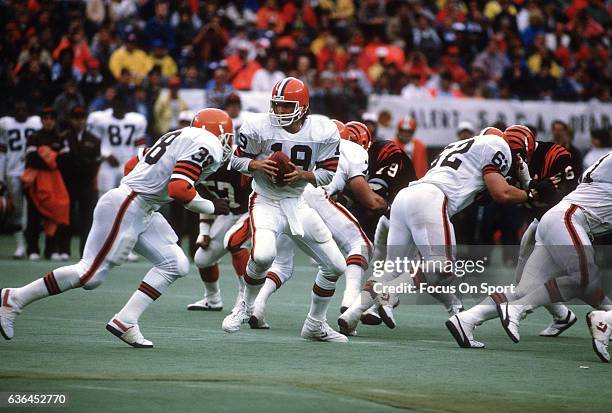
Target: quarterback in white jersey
420,215
312,145
345,229
13,134
121,133
125,219
562,265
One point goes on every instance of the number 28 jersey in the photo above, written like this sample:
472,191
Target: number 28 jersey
13,135
460,169
190,154
118,137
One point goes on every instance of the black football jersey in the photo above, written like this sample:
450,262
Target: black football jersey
231,185
550,159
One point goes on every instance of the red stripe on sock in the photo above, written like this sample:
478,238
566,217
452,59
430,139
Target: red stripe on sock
275,278
322,292
5,299
120,325
148,290
253,281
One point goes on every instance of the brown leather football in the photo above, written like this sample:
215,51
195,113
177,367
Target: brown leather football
283,163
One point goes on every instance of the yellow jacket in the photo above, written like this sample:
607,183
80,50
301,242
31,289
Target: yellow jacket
137,62
166,113
166,63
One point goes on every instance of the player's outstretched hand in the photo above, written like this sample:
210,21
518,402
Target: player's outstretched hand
112,161
221,206
265,165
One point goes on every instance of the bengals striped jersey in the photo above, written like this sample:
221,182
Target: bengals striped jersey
188,154
550,159
389,170
230,184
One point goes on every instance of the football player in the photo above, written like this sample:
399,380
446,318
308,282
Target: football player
345,229
562,265
121,132
548,160
229,184
312,145
13,133
126,219
419,219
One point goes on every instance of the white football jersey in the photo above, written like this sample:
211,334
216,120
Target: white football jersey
118,137
13,135
594,195
353,162
316,145
190,154
458,171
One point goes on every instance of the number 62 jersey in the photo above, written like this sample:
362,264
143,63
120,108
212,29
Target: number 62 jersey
460,169
189,154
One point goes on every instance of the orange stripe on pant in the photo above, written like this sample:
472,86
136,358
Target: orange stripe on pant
251,207
448,248
582,259
110,238
239,237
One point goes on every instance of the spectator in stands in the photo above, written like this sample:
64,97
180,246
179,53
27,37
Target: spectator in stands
208,44
168,107
129,57
442,85
218,88
399,27
63,69
103,101
411,145
269,17
103,44
265,78
426,39
493,60
77,42
518,80
192,79
414,89
371,121
92,81
465,130
305,72
372,17
241,67
561,134
327,97
601,139
34,83
160,57
158,27
545,83
65,101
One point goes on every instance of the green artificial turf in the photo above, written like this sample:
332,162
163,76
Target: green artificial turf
61,345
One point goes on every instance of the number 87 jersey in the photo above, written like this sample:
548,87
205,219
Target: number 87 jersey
459,169
189,154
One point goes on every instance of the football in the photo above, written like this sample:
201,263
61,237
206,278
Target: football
284,166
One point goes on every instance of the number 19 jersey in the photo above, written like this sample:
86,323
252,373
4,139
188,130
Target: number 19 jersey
459,170
190,154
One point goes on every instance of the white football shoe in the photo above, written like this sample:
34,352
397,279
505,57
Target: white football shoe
371,317
34,257
208,303
556,327
510,317
56,256
386,315
319,330
347,322
463,332
19,252
8,313
257,321
600,332
133,257
239,315
129,333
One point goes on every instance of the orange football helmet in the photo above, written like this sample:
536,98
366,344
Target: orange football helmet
344,134
219,124
407,123
524,134
360,134
490,130
289,90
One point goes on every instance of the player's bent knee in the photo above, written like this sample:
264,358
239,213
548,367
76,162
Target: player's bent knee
182,264
263,259
202,258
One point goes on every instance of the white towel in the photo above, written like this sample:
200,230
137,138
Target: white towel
289,206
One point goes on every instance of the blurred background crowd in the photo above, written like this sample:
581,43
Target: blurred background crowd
64,59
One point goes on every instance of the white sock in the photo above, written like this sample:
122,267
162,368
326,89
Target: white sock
211,288
558,311
265,292
153,285
353,277
55,282
486,310
19,239
322,293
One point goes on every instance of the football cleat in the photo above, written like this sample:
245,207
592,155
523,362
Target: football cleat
128,333
319,330
236,318
600,332
19,253
556,327
510,317
347,322
257,321
386,315
463,332
34,257
209,303
56,256
371,317
8,313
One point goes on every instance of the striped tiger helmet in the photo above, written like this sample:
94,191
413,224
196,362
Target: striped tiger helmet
344,133
360,134
521,136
